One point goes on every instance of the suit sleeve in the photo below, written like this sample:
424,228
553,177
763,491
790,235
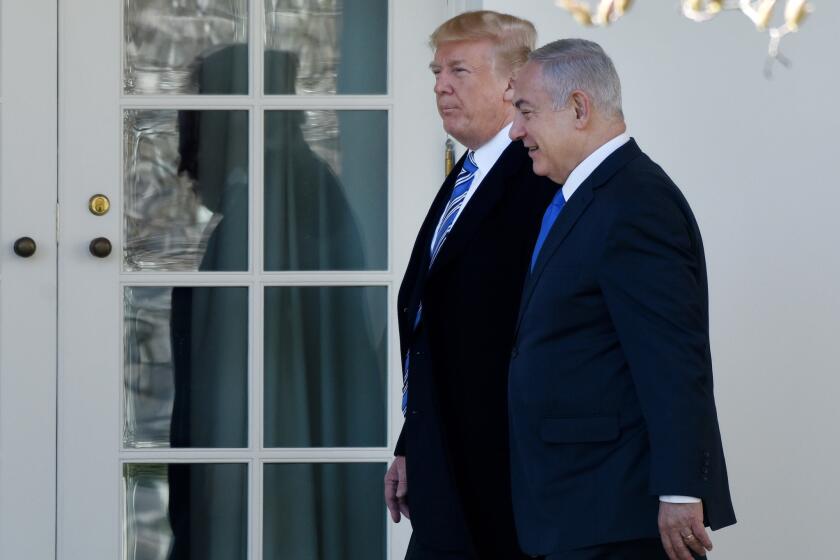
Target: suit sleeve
653,280
399,450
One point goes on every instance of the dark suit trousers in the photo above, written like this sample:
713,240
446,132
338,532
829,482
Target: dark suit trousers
418,551
644,549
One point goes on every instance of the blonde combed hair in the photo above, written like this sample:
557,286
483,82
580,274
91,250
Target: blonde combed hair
513,37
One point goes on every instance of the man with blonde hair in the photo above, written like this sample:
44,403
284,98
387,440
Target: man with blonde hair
458,303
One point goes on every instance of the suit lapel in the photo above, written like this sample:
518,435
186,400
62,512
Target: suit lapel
483,202
430,224
572,212
418,264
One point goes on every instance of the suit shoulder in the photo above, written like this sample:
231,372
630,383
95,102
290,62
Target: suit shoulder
642,183
642,193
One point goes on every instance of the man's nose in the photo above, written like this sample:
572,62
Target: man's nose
517,131
442,85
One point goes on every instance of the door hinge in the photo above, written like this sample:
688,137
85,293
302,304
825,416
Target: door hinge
57,223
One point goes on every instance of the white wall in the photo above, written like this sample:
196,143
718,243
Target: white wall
757,160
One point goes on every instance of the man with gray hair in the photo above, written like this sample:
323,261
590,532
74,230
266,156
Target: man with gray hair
615,446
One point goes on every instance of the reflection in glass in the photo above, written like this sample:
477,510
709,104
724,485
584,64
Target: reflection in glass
323,511
186,190
326,191
325,366
166,41
185,511
186,367
337,46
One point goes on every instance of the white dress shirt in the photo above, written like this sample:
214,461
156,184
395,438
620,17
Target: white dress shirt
485,158
578,175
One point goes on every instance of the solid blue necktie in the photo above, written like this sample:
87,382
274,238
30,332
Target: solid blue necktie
456,201
548,220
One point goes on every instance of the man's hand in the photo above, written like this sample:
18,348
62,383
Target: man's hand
681,528
396,489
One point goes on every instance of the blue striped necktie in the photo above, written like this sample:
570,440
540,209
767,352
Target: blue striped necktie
456,201
548,220
450,213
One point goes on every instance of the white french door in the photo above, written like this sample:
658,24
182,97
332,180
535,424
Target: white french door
228,381
28,171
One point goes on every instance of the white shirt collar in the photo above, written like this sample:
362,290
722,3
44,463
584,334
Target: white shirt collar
585,168
486,155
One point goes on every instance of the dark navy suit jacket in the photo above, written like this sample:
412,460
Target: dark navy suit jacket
610,387
455,433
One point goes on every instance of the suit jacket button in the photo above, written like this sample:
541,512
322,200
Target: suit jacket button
417,352
405,309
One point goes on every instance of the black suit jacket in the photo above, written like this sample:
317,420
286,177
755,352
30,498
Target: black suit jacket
455,434
611,397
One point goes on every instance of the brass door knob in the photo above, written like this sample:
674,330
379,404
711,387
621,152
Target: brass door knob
25,247
100,247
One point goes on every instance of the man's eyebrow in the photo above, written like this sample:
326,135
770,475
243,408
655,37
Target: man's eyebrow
450,63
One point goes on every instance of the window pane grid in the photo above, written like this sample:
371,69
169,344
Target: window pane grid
257,457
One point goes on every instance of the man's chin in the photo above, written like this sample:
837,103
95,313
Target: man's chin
452,127
537,166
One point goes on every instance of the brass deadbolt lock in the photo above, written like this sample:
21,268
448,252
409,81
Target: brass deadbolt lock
99,205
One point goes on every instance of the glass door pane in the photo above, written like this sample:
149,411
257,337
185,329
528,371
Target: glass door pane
324,366
328,511
185,190
185,511
167,43
326,190
186,367
326,47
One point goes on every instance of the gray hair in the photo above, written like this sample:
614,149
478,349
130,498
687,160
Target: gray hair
578,64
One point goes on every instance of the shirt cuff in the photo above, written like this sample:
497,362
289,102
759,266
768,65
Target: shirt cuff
679,499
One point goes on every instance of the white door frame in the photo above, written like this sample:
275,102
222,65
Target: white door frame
28,171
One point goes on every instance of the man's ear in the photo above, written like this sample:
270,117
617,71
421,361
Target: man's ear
508,94
582,107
